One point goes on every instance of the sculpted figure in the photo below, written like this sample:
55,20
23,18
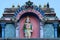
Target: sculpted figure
27,28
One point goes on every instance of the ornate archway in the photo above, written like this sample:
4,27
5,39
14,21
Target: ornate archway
29,7
38,15
29,10
35,24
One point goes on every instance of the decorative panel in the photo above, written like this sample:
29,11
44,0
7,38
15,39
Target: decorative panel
10,31
48,31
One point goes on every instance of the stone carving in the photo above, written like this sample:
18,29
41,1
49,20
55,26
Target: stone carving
27,28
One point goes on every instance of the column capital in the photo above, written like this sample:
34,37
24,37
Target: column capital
3,24
55,24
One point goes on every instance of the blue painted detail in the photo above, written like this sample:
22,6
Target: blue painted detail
34,7
3,29
55,29
3,33
48,31
55,33
19,9
55,24
10,31
3,24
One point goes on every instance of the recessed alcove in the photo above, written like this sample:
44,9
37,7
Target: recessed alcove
35,24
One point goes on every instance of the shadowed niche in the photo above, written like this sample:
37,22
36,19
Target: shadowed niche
29,14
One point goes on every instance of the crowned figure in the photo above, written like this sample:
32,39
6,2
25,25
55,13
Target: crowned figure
27,28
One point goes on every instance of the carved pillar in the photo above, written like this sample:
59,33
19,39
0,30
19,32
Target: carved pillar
3,30
17,31
55,29
41,30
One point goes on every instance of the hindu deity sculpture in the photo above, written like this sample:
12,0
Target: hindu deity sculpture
27,28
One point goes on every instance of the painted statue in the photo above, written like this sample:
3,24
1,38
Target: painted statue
27,28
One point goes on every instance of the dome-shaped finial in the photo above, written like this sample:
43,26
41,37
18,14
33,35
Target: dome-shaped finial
18,5
29,0
29,3
13,6
39,6
45,6
48,5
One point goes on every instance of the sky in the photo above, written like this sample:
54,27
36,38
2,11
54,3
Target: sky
8,4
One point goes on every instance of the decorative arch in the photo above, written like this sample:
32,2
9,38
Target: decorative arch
30,10
38,11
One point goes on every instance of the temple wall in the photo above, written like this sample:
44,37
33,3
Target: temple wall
48,31
10,31
38,16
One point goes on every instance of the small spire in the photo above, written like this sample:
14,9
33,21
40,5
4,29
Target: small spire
39,6
48,5
18,5
13,6
29,0
29,3
45,5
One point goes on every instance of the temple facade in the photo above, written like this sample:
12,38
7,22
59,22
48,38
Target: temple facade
45,23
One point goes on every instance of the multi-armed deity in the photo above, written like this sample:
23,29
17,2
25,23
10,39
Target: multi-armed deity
27,28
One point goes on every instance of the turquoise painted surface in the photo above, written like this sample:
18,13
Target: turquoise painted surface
48,31
10,31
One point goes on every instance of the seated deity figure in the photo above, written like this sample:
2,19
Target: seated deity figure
27,28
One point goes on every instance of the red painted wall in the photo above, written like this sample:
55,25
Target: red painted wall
35,24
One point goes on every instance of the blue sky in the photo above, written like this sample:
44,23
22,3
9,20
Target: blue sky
8,3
